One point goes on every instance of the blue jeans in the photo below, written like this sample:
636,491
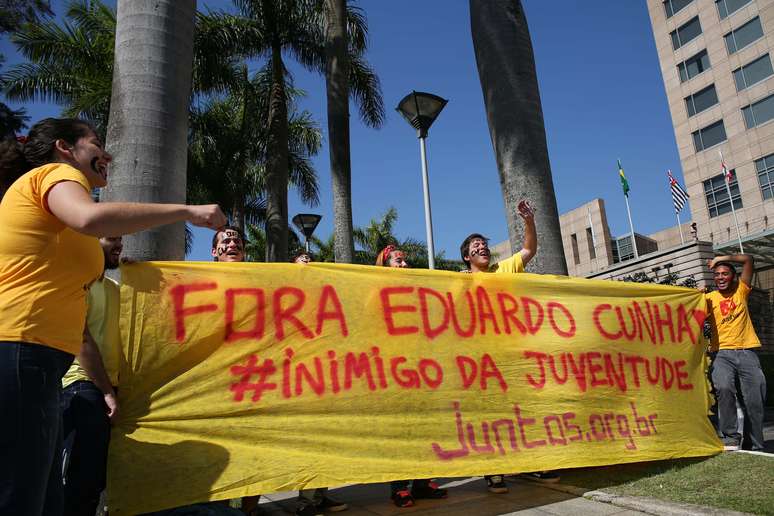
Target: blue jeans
86,432
739,365
31,429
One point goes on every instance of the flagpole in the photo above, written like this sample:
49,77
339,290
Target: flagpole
625,186
631,226
731,200
679,225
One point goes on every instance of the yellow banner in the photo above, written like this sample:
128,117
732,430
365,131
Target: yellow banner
252,378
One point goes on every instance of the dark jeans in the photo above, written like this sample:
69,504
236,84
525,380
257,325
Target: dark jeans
742,365
403,485
86,437
31,428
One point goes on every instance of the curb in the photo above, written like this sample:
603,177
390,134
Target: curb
645,504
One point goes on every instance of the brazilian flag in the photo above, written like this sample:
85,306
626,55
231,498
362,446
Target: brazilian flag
624,182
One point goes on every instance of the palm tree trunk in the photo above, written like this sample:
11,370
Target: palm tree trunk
148,126
337,86
277,165
506,68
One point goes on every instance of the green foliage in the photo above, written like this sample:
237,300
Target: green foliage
670,278
228,150
375,236
69,64
255,245
15,13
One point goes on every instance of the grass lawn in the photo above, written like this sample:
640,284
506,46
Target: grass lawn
736,481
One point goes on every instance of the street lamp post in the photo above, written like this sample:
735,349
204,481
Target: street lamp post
420,110
306,224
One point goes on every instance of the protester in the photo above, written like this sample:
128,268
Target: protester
89,401
49,256
315,501
732,343
303,258
391,256
477,257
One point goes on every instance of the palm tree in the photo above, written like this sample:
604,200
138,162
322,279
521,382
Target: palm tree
148,125
506,68
227,160
255,248
271,29
71,64
337,89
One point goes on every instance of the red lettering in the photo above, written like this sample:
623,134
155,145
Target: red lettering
468,370
388,309
329,295
489,370
684,325
180,311
597,315
424,310
282,314
533,324
665,321
522,422
552,306
628,334
472,315
358,367
509,313
485,311
682,375
424,365
541,358
256,332
406,378
594,368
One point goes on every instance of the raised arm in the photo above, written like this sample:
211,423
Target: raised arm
529,248
72,205
748,265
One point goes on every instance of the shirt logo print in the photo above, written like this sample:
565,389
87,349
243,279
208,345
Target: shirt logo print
727,306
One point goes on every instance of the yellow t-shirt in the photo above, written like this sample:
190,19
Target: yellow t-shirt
45,267
102,321
511,265
731,324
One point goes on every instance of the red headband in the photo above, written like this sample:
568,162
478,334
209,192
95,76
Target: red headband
386,253
21,139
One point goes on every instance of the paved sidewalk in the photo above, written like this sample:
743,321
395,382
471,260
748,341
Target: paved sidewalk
467,497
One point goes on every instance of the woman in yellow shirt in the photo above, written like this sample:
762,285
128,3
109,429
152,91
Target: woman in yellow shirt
49,255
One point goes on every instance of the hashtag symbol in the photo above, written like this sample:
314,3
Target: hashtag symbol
249,370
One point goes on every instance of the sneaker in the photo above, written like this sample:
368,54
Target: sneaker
496,484
546,477
429,490
730,444
309,510
330,505
402,498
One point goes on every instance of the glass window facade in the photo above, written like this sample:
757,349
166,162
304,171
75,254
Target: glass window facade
673,6
701,100
729,7
753,72
765,169
759,112
686,32
693,66
708,136
717,196
739,38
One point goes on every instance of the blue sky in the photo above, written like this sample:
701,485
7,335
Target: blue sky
603,99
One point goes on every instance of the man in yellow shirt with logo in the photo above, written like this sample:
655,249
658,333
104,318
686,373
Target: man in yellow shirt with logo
733,341
89,398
